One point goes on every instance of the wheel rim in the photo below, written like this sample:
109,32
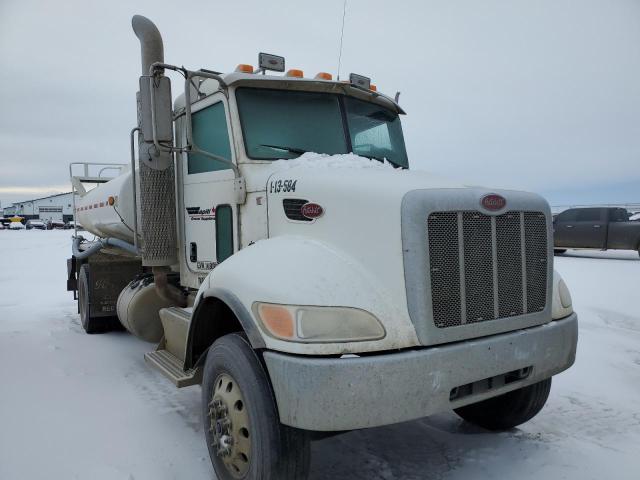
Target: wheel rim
230,426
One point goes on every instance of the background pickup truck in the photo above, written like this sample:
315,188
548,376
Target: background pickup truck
601,228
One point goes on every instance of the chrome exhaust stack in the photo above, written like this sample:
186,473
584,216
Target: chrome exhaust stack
152,48
156,190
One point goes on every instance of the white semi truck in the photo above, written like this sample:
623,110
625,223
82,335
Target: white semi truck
313,294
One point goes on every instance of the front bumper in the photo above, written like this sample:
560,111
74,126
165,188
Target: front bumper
333,394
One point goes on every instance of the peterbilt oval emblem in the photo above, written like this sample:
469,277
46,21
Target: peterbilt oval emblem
493,202
311,210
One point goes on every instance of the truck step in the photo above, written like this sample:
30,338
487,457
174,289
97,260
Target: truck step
171,367
175,323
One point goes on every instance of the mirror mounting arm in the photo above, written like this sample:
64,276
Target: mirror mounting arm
157,70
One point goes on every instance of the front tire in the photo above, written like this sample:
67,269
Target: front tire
559,251
242,429
508,410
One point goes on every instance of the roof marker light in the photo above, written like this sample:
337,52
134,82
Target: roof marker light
324,76
294,72
244,68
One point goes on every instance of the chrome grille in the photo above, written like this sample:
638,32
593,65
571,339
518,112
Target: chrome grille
536,262
478,267
509,252
486,267
445,268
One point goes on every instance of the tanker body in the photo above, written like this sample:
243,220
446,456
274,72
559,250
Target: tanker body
319,292
107,210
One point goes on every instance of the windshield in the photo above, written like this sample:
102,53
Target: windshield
285,124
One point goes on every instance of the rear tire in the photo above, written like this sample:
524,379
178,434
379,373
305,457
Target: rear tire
508,410
90,323
559,251
242,429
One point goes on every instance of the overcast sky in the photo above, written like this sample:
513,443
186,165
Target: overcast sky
540,95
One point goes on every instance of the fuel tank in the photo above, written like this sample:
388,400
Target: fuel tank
107,210
138,309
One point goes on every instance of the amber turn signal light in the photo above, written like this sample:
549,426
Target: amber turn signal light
277,319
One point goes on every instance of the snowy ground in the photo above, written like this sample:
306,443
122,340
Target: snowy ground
76,406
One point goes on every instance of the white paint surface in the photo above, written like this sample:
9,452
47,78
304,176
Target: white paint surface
77,406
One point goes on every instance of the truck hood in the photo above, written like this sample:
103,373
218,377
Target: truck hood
362,243
346,170
360,220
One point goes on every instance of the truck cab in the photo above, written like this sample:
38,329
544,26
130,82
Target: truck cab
271,239
260,122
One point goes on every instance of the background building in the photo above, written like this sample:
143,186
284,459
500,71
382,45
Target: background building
57,208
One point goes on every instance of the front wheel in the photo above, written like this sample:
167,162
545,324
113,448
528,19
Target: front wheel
559,251
508,410
242,429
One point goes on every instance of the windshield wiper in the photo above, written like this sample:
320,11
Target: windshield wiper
382,160
299,151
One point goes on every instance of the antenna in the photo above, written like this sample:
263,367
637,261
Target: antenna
344,13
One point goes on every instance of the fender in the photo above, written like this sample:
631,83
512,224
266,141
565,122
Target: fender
297,270
233,303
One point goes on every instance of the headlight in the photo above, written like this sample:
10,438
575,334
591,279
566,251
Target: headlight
565,295
296,323
562,304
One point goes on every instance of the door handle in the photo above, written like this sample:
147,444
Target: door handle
193,252
569,226
597,226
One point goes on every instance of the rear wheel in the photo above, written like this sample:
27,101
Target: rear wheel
559,251
243,432
90,323
508,410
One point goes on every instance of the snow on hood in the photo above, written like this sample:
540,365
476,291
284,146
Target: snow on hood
323,160
324,163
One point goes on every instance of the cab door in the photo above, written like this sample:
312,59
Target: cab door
590,228
563,229
208,189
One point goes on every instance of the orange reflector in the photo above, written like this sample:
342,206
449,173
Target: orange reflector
277,319
373,88
244,68
294,72
111,201
324,76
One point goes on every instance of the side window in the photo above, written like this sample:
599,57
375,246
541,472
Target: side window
211,135
589,215
224,232
619,215
373,131
377,135
567,216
